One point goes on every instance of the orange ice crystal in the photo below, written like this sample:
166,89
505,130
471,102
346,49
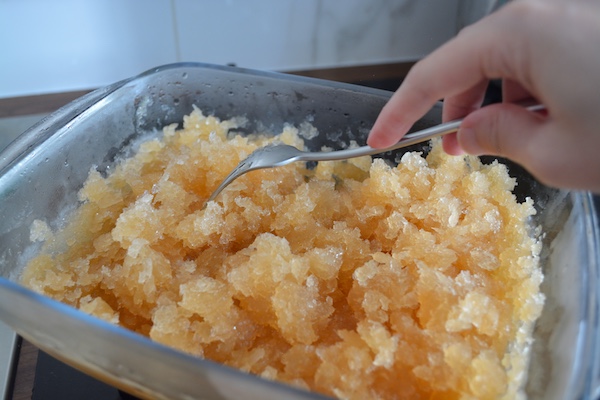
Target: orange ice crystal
355,279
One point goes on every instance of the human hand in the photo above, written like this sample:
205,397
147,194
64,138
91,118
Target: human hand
544,49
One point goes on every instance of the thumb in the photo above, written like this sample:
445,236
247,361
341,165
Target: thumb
504,129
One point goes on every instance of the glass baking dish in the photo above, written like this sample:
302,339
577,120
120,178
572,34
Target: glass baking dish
42,171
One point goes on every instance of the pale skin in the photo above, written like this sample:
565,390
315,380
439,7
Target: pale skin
548,50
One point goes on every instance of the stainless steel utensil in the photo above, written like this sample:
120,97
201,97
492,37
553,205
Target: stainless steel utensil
278,155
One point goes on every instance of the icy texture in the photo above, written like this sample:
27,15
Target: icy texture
355,279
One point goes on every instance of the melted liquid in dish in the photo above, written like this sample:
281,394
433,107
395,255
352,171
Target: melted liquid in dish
355,279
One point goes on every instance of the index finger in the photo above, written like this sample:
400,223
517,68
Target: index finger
483,51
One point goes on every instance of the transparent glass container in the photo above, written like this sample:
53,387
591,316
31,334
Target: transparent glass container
42,171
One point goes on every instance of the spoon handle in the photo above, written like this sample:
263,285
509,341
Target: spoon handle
408,140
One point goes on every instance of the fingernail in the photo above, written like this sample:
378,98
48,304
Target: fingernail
379,141
451,145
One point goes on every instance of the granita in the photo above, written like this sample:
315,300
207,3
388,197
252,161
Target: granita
356,279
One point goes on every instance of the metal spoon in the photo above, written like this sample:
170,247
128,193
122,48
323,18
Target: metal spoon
278,155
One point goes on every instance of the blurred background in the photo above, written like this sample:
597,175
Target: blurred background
69,45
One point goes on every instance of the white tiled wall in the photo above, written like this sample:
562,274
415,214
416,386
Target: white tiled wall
63,45
296,34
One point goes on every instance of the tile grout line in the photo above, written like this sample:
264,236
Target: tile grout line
175,31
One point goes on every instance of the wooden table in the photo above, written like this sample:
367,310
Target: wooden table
25,371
